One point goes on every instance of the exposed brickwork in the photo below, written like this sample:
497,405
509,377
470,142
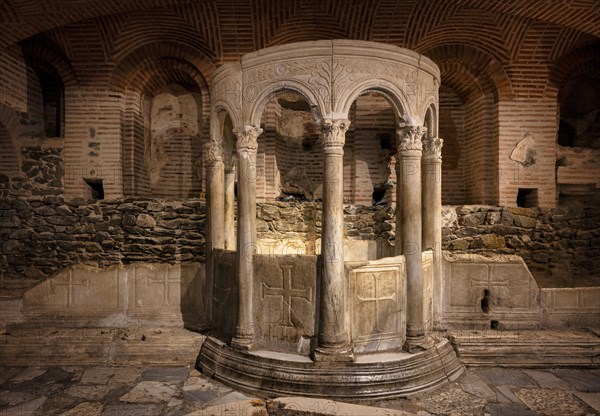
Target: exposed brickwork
504,64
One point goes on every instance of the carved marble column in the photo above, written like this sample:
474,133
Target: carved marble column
213,161
334,331
230,203
432,215
246,231
409,185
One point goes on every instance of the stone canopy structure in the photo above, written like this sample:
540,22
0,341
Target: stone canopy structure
330,75
319,198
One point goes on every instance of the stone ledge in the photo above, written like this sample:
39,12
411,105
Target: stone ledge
270,375
532,349
44,346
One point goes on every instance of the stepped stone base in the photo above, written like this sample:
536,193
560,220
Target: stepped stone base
536,348
369,377
43,346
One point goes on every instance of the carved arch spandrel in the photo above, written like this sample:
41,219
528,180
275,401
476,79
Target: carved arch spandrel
309,77
330,75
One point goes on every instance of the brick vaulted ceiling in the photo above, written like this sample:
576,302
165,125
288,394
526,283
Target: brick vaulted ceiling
503,39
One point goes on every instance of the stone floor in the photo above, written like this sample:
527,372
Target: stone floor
174,391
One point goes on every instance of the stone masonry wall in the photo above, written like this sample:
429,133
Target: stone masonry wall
561,246
42,235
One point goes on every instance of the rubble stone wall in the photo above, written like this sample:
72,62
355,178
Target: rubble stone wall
42,234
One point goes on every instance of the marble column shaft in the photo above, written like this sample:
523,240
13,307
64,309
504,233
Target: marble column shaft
334,332
230,204
246,146
432,215
409,181
213,161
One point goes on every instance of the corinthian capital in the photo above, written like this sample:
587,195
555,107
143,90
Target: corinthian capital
432,148
247,137
212,152
333,132
409,138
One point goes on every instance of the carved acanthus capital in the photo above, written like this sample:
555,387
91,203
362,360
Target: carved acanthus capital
333,132
212,153
432,148
247,137
230,161
409,138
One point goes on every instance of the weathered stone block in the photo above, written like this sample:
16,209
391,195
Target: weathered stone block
378,304
478,290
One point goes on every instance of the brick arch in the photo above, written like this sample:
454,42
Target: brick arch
199,67
40,52
584,60
152,75
151,28
477,29
144,73
476,65
307,28
10,157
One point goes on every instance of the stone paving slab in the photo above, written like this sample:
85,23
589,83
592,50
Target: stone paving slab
580,380
550,402
591,399
182,391
302,406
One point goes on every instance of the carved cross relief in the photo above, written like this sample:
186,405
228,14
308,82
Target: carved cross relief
70,283
286,293
376,288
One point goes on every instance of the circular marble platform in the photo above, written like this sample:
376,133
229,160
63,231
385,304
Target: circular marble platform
369,377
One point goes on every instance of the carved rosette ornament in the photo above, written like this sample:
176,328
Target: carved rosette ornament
212,153
432,148
247,137
409,138
333,133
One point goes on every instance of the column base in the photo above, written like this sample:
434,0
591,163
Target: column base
241,343
418,344
322,354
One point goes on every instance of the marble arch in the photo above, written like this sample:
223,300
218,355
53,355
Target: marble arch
335,288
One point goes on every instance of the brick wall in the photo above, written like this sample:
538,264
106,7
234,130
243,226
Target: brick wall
517,119
92,147
452,130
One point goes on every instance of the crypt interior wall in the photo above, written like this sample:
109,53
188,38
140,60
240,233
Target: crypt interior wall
536,87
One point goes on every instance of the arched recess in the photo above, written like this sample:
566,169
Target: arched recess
9,158
289,158
430,121
395,97
472,84
164,121
370,152
49,73
575,84
263,97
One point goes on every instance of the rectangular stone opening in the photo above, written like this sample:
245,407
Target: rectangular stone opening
527,197
96,188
